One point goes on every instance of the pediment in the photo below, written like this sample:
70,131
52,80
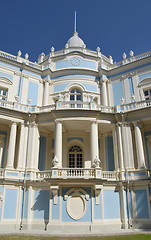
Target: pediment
145,81
5,80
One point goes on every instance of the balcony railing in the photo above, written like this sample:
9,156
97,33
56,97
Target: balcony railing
75,105
74,173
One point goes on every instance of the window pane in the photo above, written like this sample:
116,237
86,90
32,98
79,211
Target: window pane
146,93
72,97
79,97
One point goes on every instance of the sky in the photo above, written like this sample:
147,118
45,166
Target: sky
116,26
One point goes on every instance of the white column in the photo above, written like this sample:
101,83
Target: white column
115,148
58,142
130,146
11,146
120,146
33,147
104,91
22,147
139,146
94,142
46,92
1,148
124,143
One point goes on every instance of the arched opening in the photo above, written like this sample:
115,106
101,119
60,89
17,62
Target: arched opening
75,157
76,96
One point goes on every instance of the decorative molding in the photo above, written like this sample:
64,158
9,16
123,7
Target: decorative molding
129,74
97,190
54,190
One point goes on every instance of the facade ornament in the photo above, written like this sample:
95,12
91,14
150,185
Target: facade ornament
26,56
133,98
52,49
124,56
97,162
17,98
91,98
98,49
66,46
122,100
84,46
19,53
131,53
55,162
29,101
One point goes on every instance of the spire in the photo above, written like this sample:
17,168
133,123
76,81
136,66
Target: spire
75,22
75,25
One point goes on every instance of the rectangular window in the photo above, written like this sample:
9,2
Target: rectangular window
3,94
147,94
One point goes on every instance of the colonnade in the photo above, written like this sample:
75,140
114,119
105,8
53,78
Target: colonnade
28,147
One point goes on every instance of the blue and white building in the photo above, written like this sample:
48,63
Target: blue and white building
75,140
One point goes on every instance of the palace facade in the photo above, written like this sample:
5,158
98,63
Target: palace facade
75,140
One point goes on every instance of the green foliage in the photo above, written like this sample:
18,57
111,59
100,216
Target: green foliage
127,237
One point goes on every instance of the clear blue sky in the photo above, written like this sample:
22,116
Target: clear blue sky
34,26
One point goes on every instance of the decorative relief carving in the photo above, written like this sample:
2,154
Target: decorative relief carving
76,202
129,74
75,61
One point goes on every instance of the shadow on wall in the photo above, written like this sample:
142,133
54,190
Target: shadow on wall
41,206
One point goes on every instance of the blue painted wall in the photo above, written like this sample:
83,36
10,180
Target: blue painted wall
33,92
109,153
62,87
10,203
111,204
131,86
10,77
97,208
41,204
42,153
86,217
129,204
4,150
8,65
117,92
141,203
82,64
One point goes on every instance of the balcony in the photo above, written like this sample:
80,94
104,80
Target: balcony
74,105
74,174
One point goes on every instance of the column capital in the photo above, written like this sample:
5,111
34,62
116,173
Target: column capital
58,121
103,79
118,124
137,124
47,79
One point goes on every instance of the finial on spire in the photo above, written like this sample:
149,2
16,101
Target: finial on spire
75,22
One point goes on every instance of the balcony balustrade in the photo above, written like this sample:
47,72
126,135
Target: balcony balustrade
75,105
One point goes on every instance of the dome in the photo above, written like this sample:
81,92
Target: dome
75,41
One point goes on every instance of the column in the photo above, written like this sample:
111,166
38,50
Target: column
11,146
94,142
104,91
58,143
46,92
125,146
120,146
130,146
139,146
115,148
22,147
2,137
123,206
33,147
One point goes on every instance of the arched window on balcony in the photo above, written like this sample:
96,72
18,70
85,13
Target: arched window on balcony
75,157
75,96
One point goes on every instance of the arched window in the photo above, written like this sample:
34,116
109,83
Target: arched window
75,157
75,95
